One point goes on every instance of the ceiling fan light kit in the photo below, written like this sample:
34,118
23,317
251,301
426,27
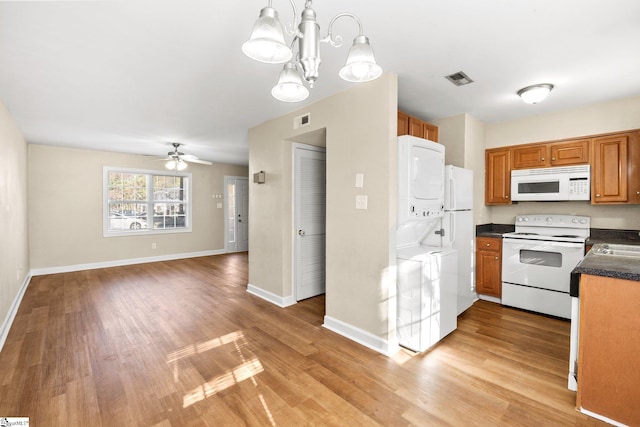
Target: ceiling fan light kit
267,44
177,161
535,93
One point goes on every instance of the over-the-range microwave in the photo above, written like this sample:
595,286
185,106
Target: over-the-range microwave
551,184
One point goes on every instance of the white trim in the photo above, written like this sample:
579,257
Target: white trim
360,336
602,418
271,297
121,262
13,310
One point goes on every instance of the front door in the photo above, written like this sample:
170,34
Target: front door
236,213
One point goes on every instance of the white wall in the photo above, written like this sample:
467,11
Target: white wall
361,126
65,209
14,236
607,117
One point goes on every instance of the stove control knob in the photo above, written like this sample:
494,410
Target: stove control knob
549,219
520,219
583,221
574,220
526,218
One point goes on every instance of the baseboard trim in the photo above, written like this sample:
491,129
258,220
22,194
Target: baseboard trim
271,297
360,336
122,262
490,298
13,310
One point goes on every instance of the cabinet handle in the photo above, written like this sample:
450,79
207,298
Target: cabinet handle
542,158
597,195
553,158
488,244
496,257
506,197
638,193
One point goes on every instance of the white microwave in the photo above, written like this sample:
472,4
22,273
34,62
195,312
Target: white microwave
551,184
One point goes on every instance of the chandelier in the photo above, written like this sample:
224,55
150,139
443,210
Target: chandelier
267,44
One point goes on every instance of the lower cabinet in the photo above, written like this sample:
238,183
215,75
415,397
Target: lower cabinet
489,266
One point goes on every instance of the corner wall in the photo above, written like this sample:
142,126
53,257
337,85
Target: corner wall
361,132
14,236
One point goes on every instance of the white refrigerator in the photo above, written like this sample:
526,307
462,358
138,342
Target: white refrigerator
459,234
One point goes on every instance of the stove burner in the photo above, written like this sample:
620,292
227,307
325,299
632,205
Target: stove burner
525,234
570,236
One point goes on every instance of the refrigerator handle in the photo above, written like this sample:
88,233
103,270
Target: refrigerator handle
452,229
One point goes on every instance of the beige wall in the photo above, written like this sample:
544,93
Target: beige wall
14,240
599,118
65,209
463,138
360,138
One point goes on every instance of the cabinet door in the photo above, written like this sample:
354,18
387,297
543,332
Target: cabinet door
497,177
530,156
570,153
403,123
609,174
415,127
430,131
488,273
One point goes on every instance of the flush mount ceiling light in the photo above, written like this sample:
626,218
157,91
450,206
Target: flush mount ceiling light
535,93
267,44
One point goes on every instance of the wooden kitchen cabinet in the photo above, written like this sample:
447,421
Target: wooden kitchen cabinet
569,152
530,156
609,174
608,378
403,123
410,125
497,176
565,153
489,266
634,168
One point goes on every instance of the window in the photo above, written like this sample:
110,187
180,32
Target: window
144,202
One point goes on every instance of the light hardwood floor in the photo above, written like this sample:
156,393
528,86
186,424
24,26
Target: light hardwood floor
182,343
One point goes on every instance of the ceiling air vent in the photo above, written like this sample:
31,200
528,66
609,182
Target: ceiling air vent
459,79
301,121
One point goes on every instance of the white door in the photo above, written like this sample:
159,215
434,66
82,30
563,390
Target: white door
309,221
236,213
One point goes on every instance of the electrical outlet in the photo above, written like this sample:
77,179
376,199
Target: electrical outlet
361,202
153,245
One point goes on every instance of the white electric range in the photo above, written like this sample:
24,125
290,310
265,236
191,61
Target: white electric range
537,260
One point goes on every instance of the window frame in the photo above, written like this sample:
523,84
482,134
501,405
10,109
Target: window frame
149,173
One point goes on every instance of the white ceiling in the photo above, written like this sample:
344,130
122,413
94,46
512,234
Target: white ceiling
132,76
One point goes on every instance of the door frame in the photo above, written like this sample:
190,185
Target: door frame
225,205
294,269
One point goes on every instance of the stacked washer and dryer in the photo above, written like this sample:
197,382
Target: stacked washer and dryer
427,270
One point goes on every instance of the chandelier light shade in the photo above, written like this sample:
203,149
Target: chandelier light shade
535,93
289,87
267,44
361,64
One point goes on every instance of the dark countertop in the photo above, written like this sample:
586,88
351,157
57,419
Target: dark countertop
596,264
494,230
605,235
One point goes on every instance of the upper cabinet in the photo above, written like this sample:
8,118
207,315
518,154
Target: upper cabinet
409,125
564,153
497,176
614,160
615,173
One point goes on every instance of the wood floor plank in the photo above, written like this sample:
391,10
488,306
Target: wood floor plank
182,343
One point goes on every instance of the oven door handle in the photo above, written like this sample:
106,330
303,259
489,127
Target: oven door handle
523,242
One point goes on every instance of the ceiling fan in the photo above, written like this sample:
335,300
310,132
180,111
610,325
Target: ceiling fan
178,161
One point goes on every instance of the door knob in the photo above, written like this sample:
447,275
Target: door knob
300,232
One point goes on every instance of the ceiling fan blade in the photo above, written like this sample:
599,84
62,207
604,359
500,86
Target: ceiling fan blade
196,160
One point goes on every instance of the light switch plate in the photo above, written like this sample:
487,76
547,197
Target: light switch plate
361,202
359,180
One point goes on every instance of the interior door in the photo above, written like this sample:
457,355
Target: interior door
236,199
309,221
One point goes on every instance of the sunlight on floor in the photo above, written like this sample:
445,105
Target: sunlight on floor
201,347
243,372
